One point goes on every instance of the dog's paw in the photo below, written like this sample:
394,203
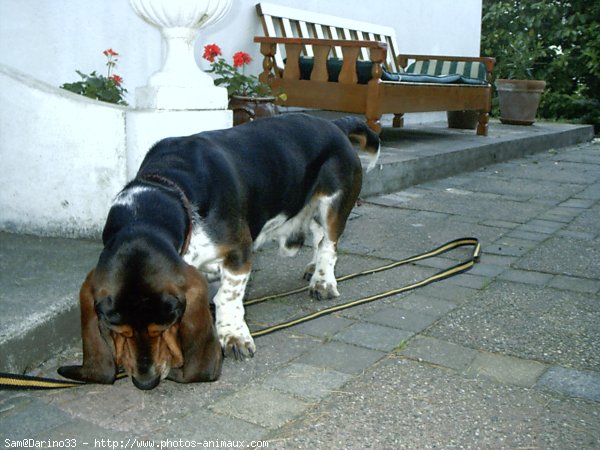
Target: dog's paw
239,345
309,271
322,290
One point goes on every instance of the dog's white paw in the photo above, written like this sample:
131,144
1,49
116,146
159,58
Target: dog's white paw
237,343
323,290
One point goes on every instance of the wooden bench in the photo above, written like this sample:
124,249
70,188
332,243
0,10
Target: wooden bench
296,39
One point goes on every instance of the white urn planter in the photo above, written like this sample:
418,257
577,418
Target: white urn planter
180,84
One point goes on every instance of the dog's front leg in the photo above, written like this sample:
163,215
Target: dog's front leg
232,330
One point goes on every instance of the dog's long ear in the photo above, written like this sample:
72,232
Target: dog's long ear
98,353
202,355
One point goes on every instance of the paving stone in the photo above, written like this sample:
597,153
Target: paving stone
438,262
524,276
469,280
341,357
487,270
565,212
501,224
575,284
441,353
454,294
425,304
571,382
542,226
516,242
393,199
401,318
403,404
577,234
496,260
506,369
86,434
527,321
264,407
578,203
556,217
565,256
529,235
22,417
271,312
205,425
373,336
309,382
504,250
323,326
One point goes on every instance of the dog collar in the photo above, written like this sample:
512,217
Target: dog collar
187,205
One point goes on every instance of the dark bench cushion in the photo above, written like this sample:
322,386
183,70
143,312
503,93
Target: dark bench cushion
363,72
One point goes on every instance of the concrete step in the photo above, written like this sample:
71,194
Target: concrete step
40,277
417,154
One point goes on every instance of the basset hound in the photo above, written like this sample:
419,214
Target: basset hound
205,202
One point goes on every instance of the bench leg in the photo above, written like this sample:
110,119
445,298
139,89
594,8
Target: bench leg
482,126
398,121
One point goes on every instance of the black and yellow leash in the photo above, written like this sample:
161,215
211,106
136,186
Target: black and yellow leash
13,381
446,273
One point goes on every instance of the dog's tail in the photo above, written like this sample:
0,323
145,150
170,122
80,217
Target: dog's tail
357,130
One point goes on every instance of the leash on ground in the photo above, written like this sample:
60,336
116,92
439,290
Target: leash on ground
19,382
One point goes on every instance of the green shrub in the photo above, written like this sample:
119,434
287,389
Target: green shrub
553,40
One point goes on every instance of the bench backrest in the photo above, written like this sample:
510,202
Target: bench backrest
282,21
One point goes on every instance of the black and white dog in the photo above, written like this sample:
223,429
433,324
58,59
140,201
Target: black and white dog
207,201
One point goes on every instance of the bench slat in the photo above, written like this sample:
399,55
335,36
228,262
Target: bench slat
326,26
337,50
304,33
270,9
314,41
286,28
269,28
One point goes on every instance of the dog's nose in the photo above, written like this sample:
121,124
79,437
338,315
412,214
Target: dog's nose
144,383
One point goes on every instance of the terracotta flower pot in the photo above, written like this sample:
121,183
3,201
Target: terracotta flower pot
247,109
519,100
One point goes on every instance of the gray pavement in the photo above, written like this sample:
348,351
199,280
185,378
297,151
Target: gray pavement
505,356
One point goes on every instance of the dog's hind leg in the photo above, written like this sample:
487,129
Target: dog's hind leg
317,234
327,228
323,284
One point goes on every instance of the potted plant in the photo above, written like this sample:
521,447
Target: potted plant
107,88
248,97
519,93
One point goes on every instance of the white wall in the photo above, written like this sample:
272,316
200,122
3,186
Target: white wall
49,39
436,27
64,157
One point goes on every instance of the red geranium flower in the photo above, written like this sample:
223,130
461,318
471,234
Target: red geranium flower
117,79
241,59
110,52
211,51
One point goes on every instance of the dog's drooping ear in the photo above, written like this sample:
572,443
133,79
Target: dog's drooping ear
98,348
201,349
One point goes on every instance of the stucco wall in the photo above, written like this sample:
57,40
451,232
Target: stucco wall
64,157
49,39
